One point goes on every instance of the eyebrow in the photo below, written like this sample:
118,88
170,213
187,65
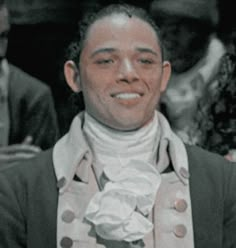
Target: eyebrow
103,50
146,50
110,50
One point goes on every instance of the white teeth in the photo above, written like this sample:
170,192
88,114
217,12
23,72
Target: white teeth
127,95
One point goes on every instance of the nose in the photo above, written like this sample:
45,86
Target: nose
127,72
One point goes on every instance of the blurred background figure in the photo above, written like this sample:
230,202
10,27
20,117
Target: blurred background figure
216,116
189,31
42,29
28,121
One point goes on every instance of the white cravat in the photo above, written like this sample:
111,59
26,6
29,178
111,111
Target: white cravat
127,159
113,147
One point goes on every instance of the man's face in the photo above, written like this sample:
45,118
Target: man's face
4,30
121,72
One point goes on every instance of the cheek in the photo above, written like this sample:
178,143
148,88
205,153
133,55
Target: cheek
89,81
93,90
95,78
152,79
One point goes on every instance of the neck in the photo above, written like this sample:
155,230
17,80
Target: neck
101,137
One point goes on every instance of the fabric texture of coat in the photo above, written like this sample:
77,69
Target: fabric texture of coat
29,197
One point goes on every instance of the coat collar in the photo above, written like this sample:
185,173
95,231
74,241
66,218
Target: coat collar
72,155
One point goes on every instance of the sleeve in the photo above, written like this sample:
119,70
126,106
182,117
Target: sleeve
229,239
41,120
12,222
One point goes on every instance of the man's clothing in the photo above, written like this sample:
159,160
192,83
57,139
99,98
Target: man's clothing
133,177
30,195
30,110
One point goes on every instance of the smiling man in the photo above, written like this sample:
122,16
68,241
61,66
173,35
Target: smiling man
121,72
120,177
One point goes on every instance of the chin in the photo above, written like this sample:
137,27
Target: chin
128,125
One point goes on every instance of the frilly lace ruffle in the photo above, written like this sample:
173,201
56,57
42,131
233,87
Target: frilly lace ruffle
119,211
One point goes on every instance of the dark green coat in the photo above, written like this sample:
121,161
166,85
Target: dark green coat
29,194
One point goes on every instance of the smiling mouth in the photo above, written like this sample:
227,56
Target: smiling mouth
127,96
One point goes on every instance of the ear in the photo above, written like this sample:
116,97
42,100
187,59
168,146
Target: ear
71,73
166,72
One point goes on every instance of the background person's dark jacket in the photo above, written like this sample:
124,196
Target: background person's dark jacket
29,194
31,110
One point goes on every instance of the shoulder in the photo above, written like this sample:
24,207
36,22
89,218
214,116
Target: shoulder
202,158
29,184
28,195
210,169
29,171
213,198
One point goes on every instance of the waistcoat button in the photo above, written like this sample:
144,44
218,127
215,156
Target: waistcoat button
180,205
66,242
68,216
180,231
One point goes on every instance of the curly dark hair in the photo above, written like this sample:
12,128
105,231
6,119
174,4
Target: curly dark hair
217,116
77,44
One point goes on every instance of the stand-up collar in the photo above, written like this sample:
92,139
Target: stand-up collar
72,155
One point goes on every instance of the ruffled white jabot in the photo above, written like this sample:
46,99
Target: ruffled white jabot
119,211
124,167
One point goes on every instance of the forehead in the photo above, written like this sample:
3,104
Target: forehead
119,28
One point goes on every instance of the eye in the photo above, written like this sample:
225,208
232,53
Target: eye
104,61
146,61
